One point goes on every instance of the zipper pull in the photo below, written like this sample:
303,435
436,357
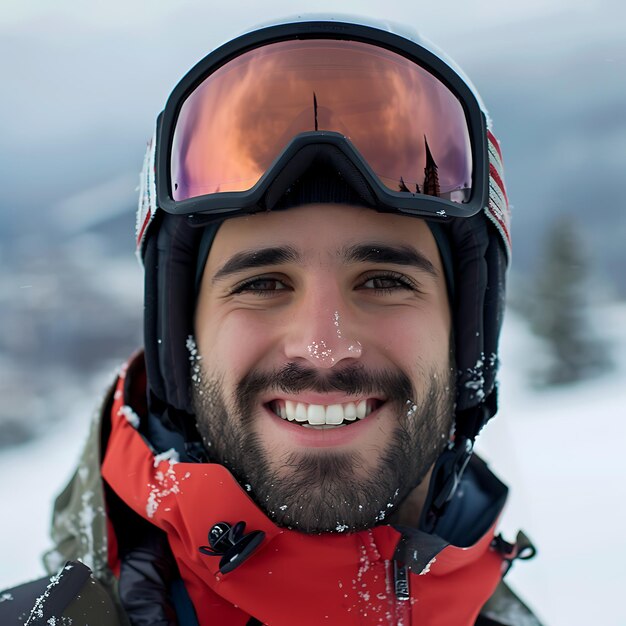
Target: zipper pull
401,581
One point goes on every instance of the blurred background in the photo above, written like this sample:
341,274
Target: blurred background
81,86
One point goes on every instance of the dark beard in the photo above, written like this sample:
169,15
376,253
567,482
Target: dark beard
323,491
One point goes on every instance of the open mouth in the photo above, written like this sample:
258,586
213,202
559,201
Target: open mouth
322,416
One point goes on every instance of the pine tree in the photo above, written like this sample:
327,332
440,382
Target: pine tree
561,312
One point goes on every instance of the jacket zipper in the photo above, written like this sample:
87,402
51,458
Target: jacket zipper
401,585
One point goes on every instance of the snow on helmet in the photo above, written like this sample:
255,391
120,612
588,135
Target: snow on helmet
324,153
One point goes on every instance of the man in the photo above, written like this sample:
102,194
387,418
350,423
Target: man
324,228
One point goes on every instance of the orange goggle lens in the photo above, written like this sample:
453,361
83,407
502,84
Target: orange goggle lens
406,124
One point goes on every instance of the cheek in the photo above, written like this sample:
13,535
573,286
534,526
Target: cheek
410,339
233,344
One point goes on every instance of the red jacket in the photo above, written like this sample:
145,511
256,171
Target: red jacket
140,522
292,577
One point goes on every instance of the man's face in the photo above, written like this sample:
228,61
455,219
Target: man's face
325,374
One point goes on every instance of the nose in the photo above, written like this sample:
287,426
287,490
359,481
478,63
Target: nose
322,331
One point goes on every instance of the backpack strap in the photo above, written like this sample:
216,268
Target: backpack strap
504,608
72,596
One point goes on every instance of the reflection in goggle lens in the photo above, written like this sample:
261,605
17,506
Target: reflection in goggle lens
407,125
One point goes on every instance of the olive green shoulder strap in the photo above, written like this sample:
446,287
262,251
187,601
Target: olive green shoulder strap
504,608
79,522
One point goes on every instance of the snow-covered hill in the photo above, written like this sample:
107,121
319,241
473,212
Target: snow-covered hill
561,451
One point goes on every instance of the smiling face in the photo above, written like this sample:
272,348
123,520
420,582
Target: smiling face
325,374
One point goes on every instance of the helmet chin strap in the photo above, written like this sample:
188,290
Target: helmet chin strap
449,467
445,479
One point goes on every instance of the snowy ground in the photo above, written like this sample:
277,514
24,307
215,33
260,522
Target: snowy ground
561,452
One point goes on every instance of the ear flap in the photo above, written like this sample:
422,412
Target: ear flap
470,240
479,307
151,332
495,301
478,310
167,334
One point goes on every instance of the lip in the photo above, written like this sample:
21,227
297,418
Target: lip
315,438
325,399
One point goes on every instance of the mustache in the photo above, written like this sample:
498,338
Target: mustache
353,380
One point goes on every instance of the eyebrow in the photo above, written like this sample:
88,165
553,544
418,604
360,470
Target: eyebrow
361,253
384,253
262,257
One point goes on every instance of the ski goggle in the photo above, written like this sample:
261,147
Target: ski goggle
401,116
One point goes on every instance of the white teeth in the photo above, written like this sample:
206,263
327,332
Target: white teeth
332,415
301,412
361,409
349,411
316,414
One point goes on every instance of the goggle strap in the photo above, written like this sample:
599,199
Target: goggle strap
146,208
498,210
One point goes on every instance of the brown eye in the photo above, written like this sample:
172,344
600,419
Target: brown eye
382,283
260,286
388,283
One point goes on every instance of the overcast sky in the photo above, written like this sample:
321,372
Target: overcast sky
68,61
121,14
82,82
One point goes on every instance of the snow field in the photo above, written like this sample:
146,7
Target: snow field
560,451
